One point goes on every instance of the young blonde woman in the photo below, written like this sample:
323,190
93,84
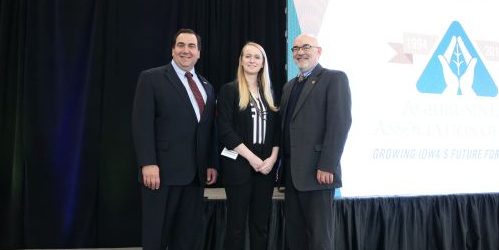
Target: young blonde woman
249,126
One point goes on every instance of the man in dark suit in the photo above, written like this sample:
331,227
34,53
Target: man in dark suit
172,131
316,111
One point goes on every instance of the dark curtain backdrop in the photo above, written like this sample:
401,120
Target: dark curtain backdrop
68,75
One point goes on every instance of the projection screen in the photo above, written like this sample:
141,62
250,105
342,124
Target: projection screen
423,76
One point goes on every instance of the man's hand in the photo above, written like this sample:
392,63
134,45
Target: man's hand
150,176
211,176
324,177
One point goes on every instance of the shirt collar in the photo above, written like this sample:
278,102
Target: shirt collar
307,73
180,71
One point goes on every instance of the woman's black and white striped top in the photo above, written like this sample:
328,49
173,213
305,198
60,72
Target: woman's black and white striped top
259,117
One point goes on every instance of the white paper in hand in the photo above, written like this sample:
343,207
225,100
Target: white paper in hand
229,153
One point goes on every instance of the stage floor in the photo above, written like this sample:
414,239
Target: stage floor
219,194
122,248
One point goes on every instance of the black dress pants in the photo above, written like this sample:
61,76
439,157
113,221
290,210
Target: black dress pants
308,217
173,217
252,202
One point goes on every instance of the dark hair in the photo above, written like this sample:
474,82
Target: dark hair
186,31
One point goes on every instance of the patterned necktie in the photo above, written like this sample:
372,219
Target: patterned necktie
196,92
301,78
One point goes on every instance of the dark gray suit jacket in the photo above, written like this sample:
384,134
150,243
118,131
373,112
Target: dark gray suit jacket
318,127
165,128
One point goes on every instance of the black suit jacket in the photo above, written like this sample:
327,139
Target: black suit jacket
318,127
165,128
235,127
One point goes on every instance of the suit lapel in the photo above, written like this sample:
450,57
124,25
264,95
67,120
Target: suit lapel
172,76
309,85
209,97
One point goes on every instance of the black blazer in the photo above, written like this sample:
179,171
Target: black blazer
235,127
165,128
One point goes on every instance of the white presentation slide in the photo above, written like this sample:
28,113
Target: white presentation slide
424,80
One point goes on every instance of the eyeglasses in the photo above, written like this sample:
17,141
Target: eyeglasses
304,47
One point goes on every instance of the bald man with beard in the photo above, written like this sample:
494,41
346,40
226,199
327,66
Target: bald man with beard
316,111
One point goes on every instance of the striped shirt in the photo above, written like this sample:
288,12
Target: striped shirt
259,117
